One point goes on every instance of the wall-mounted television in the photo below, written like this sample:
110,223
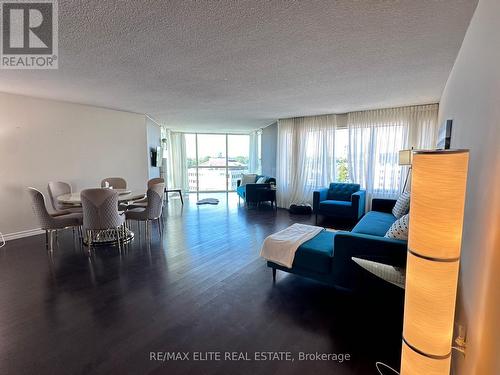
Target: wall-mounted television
156,156
444,135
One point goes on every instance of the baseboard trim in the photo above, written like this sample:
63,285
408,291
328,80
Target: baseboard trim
22,234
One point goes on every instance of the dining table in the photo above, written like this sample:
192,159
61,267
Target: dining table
124,195
108,236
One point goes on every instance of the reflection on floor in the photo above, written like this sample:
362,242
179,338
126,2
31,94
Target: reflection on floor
202,287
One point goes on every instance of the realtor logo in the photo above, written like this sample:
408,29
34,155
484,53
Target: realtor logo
29,34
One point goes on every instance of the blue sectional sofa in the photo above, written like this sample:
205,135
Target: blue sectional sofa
341,201
250,192
327,256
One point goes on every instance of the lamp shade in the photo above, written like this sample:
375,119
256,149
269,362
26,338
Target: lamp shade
435,235
404,157
437,203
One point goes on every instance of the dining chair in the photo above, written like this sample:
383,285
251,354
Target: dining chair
144,201
115,182
152,210
52,223
56,189
100,213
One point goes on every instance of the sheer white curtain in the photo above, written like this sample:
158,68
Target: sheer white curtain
305,157
177,176
375,137
253,153
423,126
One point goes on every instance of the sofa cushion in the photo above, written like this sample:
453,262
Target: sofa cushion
375,223
402,205
333,207
342,192
248,179
399,229
316,254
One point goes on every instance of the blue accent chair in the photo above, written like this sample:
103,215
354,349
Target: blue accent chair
327,256
342,201
250,192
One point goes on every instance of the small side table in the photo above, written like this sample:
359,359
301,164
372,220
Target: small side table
174,191
268,195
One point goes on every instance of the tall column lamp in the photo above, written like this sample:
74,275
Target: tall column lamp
435,235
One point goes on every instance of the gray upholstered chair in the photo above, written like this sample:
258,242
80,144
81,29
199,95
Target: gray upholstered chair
153,209
114,182
56,189
144,201
51,223
154,181
100,213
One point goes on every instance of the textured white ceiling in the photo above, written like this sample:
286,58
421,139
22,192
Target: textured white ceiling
239,65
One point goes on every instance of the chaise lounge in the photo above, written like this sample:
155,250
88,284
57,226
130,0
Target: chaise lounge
327,256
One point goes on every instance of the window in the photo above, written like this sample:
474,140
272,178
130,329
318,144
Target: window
192,161
341,153
238,149
216,161
387,141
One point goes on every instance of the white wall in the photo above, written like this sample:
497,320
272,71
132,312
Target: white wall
153,135
44,140
472,99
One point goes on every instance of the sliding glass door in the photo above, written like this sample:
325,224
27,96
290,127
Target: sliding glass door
237,161
216,161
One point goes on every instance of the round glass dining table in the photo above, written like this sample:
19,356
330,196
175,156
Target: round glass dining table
123,196
108,236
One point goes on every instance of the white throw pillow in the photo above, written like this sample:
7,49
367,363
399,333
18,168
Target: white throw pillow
261,180
248,179
399,229
402,205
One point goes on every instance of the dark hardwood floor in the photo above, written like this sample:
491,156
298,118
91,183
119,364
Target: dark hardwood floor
201,288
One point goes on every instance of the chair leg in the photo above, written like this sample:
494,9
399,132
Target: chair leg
89,240
316,222
46,239
51,239
117,234
274,275
182,200
159,226
49,243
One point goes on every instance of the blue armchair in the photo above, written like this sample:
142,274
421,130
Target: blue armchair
339,200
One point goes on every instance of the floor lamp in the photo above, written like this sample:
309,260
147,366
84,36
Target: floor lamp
435,235
405,159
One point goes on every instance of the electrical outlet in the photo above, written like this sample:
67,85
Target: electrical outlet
460,340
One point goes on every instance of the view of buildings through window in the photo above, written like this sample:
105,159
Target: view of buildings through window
341,153
216,161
